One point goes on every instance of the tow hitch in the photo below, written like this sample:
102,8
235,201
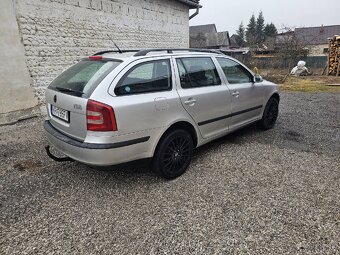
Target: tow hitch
65,159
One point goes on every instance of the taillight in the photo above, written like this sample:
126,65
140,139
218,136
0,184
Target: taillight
96,57
100,117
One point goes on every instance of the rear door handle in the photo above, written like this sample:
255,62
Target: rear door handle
235,94
191,101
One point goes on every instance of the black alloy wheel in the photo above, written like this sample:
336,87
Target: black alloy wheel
270,114
173,154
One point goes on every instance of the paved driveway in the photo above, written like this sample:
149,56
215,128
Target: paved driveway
252,192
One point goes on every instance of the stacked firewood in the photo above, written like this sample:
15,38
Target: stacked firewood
333,67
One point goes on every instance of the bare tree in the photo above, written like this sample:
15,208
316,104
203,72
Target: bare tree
289,47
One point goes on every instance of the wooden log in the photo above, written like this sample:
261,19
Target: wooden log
324,69
333,57
329,52
336,58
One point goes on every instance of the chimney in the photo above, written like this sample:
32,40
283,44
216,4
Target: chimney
322,29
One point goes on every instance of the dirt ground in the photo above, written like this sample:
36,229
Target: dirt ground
312,84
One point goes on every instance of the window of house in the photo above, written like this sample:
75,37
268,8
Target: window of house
234,72
197,72
146,77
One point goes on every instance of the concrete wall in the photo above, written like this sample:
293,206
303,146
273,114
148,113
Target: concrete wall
15,91
57,33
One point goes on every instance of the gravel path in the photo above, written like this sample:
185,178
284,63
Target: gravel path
252,192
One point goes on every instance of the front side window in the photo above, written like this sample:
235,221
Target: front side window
197,72
234,72
146,77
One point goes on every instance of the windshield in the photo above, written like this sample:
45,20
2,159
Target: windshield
83,78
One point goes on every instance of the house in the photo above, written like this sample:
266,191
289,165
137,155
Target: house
237,48
206,36
236,41
309,44
41,38
316,38
283,37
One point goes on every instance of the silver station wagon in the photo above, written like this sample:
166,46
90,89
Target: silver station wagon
116,107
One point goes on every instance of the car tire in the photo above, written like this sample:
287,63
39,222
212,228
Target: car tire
173,154
270,114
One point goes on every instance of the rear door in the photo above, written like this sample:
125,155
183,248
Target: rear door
67,95
203,94
143,97
247,96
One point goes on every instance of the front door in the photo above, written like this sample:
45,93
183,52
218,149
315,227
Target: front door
203,94
247,97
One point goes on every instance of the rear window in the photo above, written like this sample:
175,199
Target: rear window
197,72
83,78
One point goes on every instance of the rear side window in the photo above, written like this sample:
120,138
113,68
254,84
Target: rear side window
146,77
234,72
83,78
197,72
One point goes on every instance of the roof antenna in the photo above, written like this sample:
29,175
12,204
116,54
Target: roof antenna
119,50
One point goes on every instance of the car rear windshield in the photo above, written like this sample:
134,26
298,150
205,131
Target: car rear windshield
83,78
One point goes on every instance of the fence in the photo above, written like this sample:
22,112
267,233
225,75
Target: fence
314,62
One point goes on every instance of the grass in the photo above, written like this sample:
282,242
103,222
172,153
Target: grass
311,84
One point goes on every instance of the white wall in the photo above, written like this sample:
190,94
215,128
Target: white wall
317,50
15,91
57,33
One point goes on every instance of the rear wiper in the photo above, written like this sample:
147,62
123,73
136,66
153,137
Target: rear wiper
69,90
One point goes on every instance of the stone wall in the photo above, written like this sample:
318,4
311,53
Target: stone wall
57,33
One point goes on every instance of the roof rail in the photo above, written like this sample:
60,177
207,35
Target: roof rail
114,51
170,50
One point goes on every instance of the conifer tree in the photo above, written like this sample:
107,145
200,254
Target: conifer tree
260,25
241,31
251,32
270,30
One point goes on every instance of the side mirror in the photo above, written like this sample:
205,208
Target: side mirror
258,78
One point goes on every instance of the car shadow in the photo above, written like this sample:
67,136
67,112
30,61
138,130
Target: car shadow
237,137
137,173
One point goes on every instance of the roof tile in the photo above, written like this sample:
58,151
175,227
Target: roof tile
317,35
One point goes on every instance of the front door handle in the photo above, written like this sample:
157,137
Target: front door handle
191,101
235,94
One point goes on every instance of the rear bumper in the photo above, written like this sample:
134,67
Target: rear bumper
97,154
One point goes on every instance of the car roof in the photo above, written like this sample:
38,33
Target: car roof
125,56
135,54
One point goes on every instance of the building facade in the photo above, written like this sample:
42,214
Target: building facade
206,36
316,38
47,36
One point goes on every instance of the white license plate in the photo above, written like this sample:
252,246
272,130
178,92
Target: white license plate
60,113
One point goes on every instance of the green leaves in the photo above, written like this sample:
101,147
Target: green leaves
257,31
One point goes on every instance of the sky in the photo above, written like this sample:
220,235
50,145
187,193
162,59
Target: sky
228,14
